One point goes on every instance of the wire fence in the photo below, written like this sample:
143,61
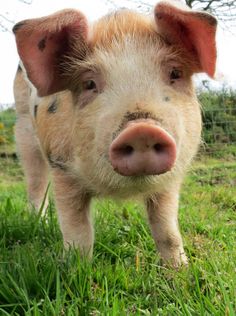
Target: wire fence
219,123
218,136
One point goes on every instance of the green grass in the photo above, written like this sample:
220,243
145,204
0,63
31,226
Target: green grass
125,276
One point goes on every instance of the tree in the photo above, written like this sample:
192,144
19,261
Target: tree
224,10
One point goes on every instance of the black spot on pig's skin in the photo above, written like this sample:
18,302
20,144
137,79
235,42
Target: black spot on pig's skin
53,107
19,69
166,99
57,162
132,116
35,110
42,44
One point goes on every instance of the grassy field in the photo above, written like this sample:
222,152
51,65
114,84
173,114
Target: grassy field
125,276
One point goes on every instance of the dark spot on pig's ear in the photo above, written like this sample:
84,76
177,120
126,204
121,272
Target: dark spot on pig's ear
53,107
35,110
42,44
158,16
17,26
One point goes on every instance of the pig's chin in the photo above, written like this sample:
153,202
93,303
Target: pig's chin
146,183
128,186
106,182
140,184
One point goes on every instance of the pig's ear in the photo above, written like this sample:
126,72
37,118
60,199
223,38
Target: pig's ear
42,43
178,24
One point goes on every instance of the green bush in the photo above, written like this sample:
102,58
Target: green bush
7,121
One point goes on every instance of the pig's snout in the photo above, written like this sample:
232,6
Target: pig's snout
142,149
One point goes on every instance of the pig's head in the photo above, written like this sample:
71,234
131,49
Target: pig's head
130,114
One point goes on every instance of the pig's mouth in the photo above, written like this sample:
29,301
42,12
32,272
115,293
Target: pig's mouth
125,187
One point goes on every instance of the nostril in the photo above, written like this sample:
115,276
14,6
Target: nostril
159,147
126,150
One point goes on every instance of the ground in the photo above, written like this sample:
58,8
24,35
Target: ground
125,276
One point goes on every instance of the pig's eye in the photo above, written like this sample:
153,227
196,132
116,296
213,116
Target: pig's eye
89,85
175,74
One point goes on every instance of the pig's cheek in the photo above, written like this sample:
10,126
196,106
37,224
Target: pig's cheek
179,135
105,128
175,126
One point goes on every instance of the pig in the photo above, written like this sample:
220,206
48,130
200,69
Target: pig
108,109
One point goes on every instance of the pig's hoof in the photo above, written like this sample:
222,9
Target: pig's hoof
182,261
175,261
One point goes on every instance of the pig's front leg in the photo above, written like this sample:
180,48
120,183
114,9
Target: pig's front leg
163,219
74,214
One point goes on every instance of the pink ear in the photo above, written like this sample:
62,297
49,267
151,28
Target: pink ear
42,43
178,24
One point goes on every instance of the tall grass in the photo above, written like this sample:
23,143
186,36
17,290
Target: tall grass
125,276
